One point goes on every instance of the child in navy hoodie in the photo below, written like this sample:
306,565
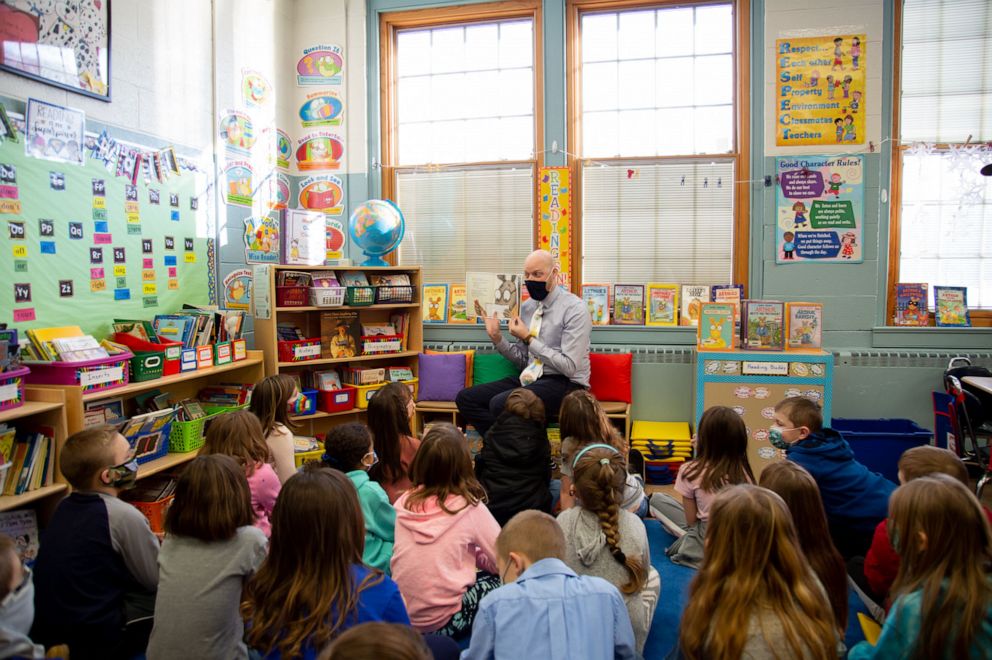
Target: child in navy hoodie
855,498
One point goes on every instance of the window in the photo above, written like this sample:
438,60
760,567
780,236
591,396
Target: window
460,121
942,207
654,108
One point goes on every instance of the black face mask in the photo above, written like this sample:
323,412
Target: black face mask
538,289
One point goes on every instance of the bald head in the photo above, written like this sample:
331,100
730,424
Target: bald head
539,265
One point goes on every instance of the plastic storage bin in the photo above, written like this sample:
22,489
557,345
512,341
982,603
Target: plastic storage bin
292,296
364,393
878,443
327,296
299,350
172,351
302,457
147,366
155,512
12,388
91,375
189,436
360,296
306,404
336,401
380,344
393,295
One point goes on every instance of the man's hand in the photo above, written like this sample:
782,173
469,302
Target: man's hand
518,329
492,328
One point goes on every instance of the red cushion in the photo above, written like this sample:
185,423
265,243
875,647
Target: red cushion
610,377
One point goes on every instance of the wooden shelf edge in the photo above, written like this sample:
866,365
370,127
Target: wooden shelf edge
398,269
27,409
361,358
347,308
14,501
320,414
254,359
164,463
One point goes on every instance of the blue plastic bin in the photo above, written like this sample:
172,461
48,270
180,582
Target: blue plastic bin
878,443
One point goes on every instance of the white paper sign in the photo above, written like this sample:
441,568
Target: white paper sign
765,368
8,392
88,378
262,298
306,351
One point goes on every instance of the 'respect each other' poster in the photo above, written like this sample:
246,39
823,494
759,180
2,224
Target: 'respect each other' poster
819,209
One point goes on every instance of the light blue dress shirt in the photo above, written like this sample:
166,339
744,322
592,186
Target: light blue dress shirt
563,342
551,613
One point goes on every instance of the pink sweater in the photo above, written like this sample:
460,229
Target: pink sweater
436,556
408,449
264,486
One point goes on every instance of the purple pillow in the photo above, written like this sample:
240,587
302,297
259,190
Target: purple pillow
442,376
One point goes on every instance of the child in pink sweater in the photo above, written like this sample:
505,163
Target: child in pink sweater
444,532
239,434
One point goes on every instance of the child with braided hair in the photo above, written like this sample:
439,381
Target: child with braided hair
604,540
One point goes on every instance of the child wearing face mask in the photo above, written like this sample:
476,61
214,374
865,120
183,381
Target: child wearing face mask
273,401
854,498
348,449
16,605
97,569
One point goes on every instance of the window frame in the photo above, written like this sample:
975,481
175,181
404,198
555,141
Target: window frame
390,23
742,124
981,318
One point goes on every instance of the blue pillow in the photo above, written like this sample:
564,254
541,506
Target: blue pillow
442,376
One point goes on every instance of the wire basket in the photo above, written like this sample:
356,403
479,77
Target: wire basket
360,296
393,295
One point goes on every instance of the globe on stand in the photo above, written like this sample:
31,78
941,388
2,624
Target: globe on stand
377,227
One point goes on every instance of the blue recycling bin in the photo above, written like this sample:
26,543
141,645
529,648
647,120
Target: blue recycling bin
878,443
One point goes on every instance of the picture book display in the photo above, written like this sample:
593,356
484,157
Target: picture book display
304,238
457,304
911,304
22,527
763,325
951,306
492,293
146,433
819,209
733,294
597,300
628,304
715,331
340,334
663,304
804,325
693,296
435,303
353,278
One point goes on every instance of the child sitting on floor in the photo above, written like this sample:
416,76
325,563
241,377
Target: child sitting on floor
348,449
273,401
238,434
16,605
211,548
541,596
105,610
313,585
514,465
390,411
444,532
854,498
603,540
721,461
582,422
943,591
754,595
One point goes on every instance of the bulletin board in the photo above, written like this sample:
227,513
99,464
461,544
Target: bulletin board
75,251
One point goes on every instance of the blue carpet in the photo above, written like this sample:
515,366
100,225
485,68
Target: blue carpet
675,580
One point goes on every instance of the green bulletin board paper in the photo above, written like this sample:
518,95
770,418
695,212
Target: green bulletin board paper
48,273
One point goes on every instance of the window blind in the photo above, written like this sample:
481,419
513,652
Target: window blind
669,222
946,70
466,220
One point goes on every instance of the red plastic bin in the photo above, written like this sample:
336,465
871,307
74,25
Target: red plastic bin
172,350
91,375
292,296
299,350
336,401
12,388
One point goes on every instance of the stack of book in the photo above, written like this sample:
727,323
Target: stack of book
31,459
226,394
198,326
64,344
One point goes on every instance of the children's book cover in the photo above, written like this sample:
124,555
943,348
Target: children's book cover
763,325
804,325
435,303
597,300
693,296
304,238
715,331
340,334
457,304
628,304
911,304
663,304
492,293
734,294
951,305
22,527
353,278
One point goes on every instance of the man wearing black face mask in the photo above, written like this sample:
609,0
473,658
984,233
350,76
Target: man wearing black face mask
552,347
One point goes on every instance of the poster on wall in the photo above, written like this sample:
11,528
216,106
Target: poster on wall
322,192
273,194
238,183
320,65
255,89
237,289
335,240
555,236
237,133
261,240
819,209
274,148
820,90
323,108
54,132
319,151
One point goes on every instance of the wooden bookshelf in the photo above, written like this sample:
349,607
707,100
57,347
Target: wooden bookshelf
42,407
308,319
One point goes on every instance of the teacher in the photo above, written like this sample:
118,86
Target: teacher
552,347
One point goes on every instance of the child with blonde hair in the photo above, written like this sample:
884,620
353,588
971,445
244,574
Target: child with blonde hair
721,461
444,534
273,401
754,595
943,591
604,540
238,434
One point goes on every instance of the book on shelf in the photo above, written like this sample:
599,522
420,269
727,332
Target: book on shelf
401,321
911,304
492,293
458,304
327,380
42,341
435,303
146,432
804,325
398,374
662,304
293,278
763,325
715,331
304,238
692,298
140,329
950,305
22,527
32,463
325,280
733,294
104,411
377,329
389,279
340,334
289,332
597,300
304,443
226,394
353,278
628,304
79,349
